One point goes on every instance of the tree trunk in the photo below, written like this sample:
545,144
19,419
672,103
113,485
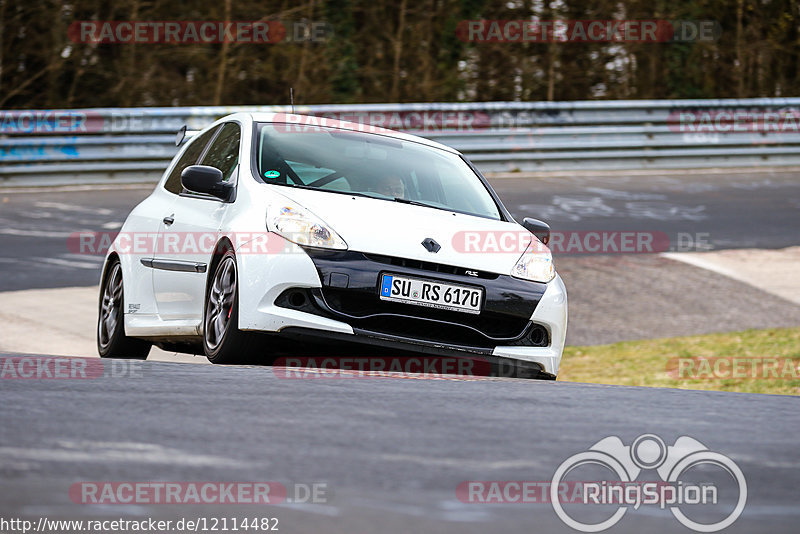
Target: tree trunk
223,60
398,50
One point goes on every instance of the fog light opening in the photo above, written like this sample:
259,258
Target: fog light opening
538,335
297,299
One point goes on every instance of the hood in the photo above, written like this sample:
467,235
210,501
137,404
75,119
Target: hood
395,229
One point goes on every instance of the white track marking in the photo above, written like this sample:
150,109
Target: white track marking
315,508
445,461
34,233
115,452
145,186
722,172
72,207
701,262
83,257
68,263
61,322
773,271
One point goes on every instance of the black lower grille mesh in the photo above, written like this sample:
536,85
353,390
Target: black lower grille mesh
372,313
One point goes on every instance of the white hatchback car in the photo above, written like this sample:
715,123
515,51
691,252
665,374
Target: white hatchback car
313,229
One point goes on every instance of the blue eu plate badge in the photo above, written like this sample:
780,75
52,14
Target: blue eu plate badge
386,286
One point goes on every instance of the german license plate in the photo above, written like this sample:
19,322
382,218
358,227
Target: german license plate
431,294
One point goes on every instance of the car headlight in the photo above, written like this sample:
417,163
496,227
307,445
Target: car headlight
536,264
302,227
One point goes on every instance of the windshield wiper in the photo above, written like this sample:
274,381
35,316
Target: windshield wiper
418,203
359,194
312,188
298,186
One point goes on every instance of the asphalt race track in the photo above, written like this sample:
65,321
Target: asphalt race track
746,210
390,451
734,209
613,297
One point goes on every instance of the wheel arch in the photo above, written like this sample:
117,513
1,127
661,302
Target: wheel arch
107,265
223,245
110,259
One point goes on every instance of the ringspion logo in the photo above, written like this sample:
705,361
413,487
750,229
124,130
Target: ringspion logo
671,463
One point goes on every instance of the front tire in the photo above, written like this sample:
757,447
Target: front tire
111,339
223,342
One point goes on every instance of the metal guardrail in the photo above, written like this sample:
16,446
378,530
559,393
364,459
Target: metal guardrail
136,144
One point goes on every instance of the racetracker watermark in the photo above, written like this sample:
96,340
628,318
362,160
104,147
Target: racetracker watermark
735,121
591,242
347,367
78,121
178,243
175,32
578,492
142,524
191,492
198,32
464,241
381,122
649,452
724,368
587,31
67,368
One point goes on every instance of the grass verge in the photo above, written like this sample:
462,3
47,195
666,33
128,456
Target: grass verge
752,361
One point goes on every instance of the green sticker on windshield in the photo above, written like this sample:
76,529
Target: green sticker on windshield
272,174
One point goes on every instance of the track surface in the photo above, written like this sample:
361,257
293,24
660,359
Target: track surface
391,451
612,297
735,210
758,210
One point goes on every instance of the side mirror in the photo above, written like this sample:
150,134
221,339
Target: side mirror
206,180
538,228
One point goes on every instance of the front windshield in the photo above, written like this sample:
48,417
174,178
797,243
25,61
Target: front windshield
344,161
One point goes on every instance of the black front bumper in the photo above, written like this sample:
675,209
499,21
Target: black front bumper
350,288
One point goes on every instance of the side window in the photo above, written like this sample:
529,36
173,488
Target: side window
224,151
189,157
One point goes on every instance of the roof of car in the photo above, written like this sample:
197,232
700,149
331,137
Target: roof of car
310,122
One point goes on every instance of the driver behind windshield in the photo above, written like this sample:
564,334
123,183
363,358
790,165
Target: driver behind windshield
390,185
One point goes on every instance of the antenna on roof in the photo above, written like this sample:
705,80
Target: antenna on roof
180,136
291,98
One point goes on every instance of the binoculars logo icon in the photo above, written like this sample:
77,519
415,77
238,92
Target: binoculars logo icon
647,452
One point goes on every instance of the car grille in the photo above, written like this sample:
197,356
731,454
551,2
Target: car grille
363,305
349,293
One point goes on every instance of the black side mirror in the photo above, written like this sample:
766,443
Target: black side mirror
538,228
206,180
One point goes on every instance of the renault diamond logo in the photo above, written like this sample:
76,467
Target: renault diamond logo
431,245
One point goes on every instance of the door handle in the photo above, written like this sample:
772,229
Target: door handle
169,220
